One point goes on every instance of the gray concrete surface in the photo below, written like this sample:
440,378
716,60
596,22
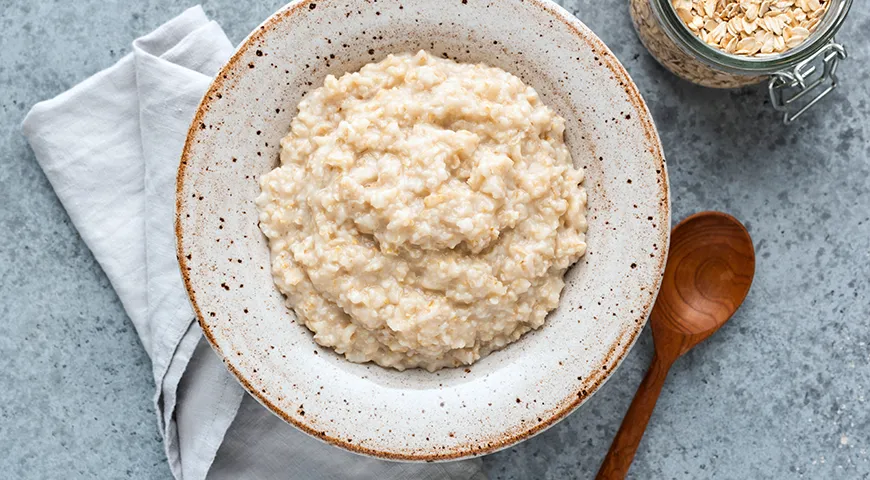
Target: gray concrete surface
781,392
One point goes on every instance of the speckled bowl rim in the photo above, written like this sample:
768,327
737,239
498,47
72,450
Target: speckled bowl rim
617,353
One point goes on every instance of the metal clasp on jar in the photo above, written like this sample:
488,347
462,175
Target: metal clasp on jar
802,80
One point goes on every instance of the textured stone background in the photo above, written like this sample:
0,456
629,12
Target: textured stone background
781,392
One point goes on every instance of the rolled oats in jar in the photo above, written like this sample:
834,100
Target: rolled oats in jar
734,43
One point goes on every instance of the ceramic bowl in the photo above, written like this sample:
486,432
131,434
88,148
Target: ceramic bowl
415,415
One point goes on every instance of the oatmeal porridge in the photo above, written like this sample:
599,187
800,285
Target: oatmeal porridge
424,212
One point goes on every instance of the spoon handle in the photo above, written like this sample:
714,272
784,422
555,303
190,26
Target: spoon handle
622,450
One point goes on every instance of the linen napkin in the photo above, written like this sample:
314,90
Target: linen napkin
110,147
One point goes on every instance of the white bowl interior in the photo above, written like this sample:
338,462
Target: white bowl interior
417,415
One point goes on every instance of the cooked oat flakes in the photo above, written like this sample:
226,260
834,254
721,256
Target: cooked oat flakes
424,212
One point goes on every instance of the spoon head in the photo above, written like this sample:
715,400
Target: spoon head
710,266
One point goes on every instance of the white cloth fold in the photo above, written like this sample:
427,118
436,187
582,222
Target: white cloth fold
110,147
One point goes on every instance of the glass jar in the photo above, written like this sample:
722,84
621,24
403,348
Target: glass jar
797,78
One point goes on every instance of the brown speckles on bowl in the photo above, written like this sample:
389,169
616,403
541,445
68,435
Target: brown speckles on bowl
611,136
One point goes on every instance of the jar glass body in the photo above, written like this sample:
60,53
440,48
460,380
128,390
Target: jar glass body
679,50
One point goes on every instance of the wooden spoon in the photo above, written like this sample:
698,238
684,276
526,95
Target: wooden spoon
709,271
